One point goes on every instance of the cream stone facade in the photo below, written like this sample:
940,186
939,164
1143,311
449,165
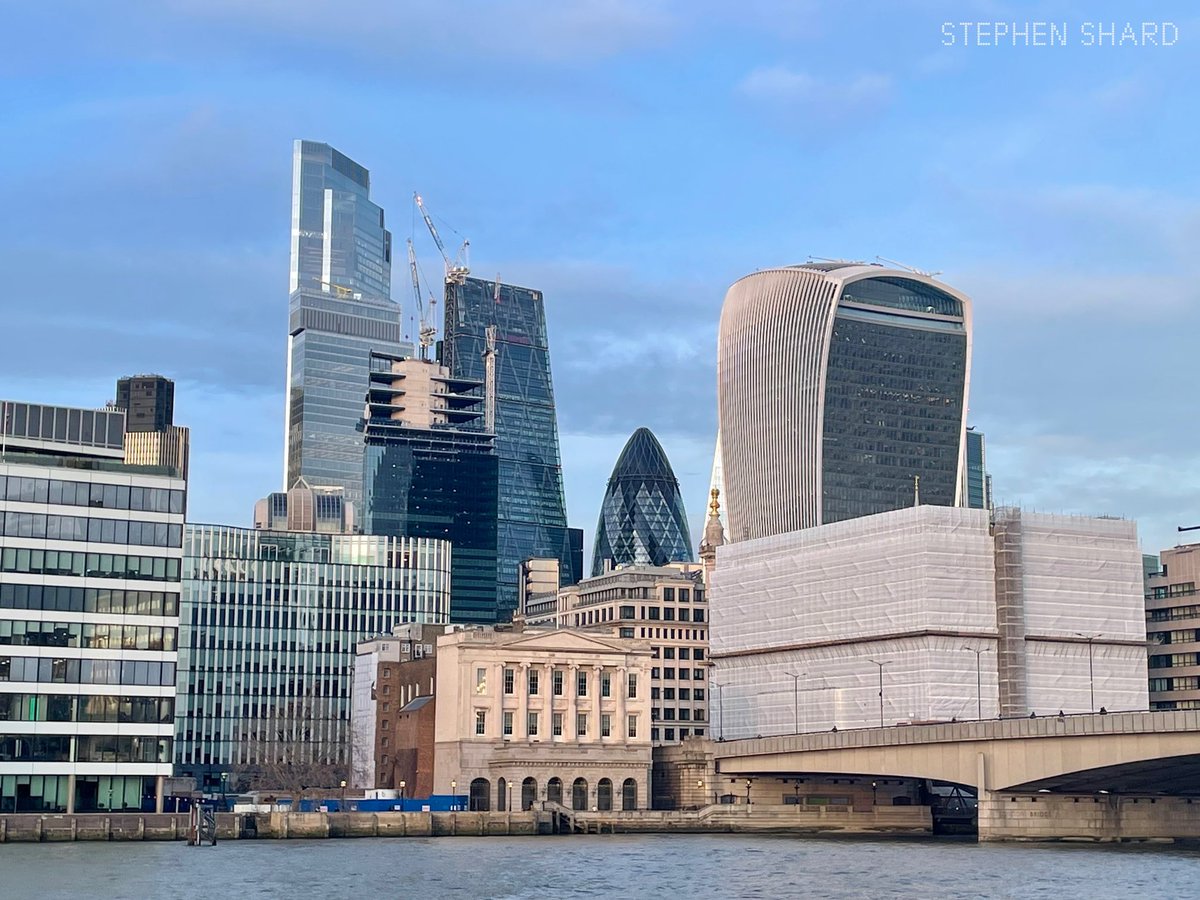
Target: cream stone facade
534,715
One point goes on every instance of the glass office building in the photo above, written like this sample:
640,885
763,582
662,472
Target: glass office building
842,392
978,488
532,511
427,475
268,626
90,553
642,520
340,310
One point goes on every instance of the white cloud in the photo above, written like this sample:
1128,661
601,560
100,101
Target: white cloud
784,89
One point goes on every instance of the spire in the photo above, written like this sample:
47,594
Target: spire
714,533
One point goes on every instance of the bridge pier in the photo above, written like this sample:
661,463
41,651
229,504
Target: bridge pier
1097,818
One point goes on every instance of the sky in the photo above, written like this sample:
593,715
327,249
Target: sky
630,158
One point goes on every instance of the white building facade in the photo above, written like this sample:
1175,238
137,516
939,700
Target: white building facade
923,614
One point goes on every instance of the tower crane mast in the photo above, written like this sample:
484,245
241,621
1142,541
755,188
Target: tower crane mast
427,332
457,269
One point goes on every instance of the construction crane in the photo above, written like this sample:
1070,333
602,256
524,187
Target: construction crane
338,289
457,269
489,383
426,331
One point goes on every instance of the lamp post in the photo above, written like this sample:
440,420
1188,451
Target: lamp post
454,792
795,676
881,665
720,710
1090,638
342,808
699,792
403,785
225,791
978,681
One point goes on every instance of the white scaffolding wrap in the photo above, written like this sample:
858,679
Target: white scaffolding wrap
801,621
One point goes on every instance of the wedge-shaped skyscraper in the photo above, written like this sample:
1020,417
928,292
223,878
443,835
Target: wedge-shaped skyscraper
642,520
842,392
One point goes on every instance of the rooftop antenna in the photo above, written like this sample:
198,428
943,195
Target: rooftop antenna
900,265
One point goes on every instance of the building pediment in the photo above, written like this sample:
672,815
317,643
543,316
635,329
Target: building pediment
567,641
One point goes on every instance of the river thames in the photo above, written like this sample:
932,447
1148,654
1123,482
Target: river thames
659,866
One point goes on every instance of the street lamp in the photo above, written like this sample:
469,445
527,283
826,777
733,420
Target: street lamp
454,790
720,710
978,681
881,665
1091,674
795,676
342,808
403,785
225,791
747,791
700,792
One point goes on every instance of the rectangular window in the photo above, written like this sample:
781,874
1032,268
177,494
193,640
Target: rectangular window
627,612
697,674
669,673
480,681
581,724
531,724
581,684
697,615
533,682
481,721
605,725
685,615
699,653
631,688
654,672
556,724
668,652
668,593
668,734
509,679
684,652
605,684
627,632
653,613
631,726
558,683
683,595
668,614
508,723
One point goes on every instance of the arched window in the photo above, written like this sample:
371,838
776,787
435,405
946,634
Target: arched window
554,790
604,794
502,795
579,794
481,795
629,794
529,793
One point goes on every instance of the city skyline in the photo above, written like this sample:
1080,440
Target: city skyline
1070,228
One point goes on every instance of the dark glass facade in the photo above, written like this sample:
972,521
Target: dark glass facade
893,399
148,401
532,517
439,484
979,483
642,520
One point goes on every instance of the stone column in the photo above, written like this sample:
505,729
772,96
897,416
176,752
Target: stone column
158,792
572,704
498,699
619,690
70,794
521,686
594,693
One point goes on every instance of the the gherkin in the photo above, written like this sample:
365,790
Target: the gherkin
642,520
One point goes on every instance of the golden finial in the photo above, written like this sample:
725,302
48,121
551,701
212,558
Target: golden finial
714,505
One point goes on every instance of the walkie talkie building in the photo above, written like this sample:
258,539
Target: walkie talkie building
842,392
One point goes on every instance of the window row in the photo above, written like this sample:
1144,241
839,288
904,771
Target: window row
668,673
533,724
684,652
53,598
1175,612
92,565
669,714
99,531
98,496
533,684
1182,683
86,708
1183,636
47,670
99,636
668,734
84,748
669,693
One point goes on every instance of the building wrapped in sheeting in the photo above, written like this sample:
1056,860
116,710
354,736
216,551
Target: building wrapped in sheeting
927,614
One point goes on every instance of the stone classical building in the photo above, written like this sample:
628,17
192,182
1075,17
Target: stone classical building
1173,629
662,605
559,715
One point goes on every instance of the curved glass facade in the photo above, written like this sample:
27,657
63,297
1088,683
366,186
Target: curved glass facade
642,520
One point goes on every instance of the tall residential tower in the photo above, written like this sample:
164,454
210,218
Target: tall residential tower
340,310
842,392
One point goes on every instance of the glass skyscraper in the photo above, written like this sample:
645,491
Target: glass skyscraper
842,392
642,520
340,310
532,510
978,494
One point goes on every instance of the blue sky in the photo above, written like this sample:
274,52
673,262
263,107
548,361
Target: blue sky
631,159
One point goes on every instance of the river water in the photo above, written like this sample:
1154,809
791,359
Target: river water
661,867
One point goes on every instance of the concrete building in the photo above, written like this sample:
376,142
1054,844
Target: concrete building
151,436
1173,629
90,551
664,606
560,715
269,624
842,392
393,709
927,614
301,507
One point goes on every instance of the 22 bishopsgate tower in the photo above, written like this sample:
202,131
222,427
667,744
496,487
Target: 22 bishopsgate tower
340,310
